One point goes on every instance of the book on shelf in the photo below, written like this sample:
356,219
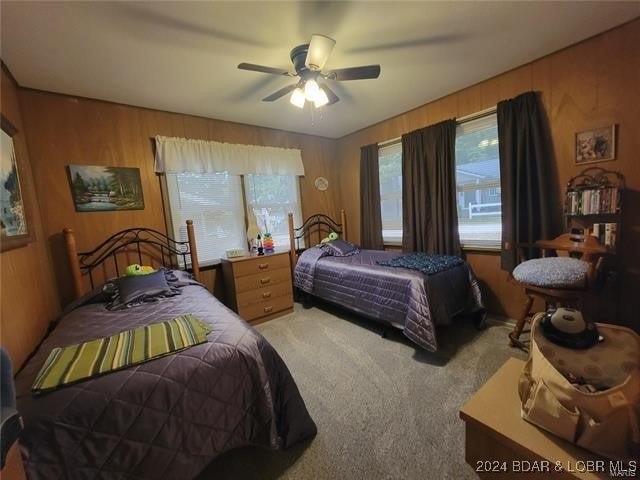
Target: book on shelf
606,233
592,201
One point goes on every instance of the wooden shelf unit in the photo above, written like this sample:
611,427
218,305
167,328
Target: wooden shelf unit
593,203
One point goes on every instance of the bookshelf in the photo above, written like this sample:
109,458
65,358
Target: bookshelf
593,205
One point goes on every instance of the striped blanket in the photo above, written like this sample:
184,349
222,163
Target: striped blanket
70,364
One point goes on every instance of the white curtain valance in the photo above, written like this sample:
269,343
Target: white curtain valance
178,155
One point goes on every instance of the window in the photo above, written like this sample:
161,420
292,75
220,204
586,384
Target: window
478,182
390,170
214,201
272,197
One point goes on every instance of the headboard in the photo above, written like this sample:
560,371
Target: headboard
132,241
316,226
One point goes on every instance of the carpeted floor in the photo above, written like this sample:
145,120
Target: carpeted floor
384,408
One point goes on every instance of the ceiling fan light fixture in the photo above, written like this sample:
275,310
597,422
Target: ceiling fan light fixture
298,98
311,90
321,98
320,48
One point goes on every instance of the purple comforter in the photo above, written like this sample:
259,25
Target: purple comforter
404,298
166,418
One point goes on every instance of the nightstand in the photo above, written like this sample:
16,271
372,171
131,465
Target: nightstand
258,288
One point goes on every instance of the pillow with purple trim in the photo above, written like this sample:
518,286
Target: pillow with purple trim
340,248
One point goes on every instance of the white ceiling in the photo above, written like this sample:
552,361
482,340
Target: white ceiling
182,56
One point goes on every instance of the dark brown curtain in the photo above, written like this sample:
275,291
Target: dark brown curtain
429,212
370,214
526,179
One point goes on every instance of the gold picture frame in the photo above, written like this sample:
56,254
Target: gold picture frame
15,213
597,145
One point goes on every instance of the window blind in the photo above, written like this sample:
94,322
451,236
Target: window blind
478,182
390,170
214,202
272,198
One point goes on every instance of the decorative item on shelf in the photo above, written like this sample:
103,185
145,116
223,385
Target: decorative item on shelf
268,243
259,246
598,145
252,230
592,205
236,252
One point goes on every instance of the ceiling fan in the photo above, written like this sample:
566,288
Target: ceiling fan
308,61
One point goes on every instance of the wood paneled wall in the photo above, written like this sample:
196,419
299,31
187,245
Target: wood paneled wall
66,130
591,84
28,295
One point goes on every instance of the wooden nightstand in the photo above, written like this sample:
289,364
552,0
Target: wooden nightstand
259,288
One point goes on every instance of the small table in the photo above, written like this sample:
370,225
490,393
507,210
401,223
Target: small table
500,444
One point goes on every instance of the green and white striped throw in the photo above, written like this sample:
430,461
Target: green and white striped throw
67,365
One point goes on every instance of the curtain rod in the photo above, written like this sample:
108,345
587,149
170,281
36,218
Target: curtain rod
466,118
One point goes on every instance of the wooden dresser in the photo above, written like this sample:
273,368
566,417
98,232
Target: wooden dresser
259,288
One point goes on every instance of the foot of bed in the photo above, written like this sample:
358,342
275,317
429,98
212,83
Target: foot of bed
480,320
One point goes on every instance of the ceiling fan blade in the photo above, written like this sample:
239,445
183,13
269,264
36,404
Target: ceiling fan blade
354,73
280,93
320,48
333,98
261,68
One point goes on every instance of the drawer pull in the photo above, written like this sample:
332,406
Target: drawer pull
268,309
265,280
266,295
262,266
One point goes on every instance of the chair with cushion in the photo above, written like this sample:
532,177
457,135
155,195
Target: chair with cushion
558,280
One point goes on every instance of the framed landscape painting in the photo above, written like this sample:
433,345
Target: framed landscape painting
15,221
101,189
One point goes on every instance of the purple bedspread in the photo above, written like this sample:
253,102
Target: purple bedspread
166,418
404,298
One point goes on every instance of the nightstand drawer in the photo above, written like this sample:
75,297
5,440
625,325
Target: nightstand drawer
262,264
268,307
264,294
259,280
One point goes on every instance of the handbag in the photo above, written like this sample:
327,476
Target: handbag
605,421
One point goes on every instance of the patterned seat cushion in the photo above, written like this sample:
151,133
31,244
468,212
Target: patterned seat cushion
553,272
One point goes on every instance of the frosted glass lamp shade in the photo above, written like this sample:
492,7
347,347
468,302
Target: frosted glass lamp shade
298,98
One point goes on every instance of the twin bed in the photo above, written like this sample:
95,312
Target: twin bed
166,418
407,299
170,417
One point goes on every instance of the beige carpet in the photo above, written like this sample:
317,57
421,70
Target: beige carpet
385,409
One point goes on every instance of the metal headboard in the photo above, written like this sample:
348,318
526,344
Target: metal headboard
129,241
317,226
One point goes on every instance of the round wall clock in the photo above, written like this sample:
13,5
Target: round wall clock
321,183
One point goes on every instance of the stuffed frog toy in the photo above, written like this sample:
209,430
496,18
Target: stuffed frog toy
136,270
332,236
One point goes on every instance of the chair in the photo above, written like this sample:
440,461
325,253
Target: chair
558,280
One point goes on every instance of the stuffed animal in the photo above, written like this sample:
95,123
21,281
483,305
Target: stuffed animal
332,236
136,270
267,243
